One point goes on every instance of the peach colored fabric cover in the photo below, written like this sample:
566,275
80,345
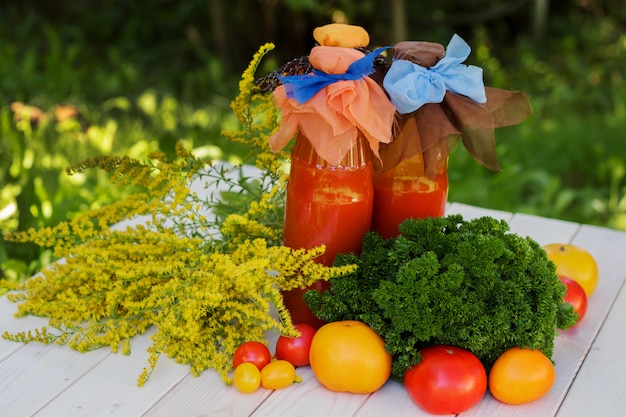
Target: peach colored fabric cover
337,114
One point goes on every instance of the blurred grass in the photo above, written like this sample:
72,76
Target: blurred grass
571,171
37,192
567,161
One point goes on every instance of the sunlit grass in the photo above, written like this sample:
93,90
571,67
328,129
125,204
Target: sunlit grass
566,161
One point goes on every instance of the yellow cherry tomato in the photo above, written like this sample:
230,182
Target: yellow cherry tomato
247,377
278,374
520,376
575,263
348,356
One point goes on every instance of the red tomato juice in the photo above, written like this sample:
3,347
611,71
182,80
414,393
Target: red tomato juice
326,206
329,206
400,199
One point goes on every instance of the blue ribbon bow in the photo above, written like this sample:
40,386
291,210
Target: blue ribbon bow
303,87
410,86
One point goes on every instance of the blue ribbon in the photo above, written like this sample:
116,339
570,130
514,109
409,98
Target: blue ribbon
410,86
303,87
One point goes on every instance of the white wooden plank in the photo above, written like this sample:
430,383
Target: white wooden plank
543,230
36,374
567,357
608,247
110,388
207,395
7,348
8,323
392,400
471,212
572,347
599,387
309,399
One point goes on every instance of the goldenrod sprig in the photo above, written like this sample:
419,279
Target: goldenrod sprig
205,277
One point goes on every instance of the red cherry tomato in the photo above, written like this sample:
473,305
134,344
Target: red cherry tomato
448,380
575,295
253,352
296,350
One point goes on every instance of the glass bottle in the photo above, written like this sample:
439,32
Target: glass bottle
412,182
329,205
410,189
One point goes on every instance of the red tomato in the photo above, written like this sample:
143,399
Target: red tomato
575,295
448,380
254,352
296,350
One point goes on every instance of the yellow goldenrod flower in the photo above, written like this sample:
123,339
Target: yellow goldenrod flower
205,284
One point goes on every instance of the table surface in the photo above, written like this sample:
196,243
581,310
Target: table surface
50,380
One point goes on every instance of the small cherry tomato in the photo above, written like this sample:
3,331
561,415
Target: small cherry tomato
278,374
247,377
253,352
520,376
296,349
448,380
575,295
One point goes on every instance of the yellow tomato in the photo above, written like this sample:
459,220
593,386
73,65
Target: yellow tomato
575,263
278,374
520,376
247,377
348,356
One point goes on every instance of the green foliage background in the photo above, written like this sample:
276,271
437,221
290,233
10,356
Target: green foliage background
146,74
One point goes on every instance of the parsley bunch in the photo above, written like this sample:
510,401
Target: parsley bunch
471,284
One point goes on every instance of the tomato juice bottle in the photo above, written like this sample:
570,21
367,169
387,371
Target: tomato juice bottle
326,205
412,179
402,193
339,117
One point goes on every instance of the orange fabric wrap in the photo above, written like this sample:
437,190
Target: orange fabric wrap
338,113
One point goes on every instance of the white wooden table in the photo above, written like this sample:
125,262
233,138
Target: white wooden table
49,380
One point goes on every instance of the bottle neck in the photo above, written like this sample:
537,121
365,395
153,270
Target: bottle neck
358,156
